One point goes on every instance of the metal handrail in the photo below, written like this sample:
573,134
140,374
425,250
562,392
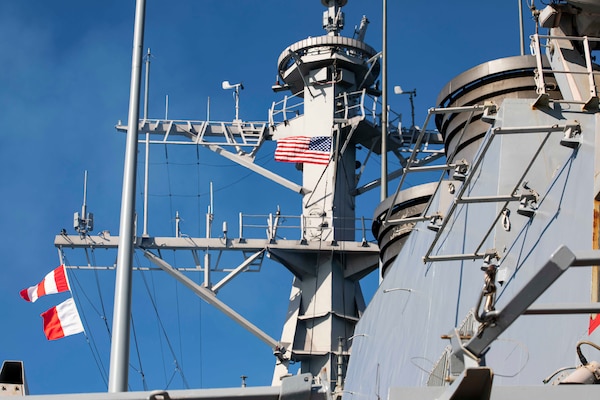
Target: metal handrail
227,133
412,160
282,107
299,224
353,104
487,141
536,51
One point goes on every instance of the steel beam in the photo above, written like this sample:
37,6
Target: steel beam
208,296
236,271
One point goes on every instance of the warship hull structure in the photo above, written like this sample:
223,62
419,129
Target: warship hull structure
494,293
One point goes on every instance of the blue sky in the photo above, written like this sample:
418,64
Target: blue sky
64,85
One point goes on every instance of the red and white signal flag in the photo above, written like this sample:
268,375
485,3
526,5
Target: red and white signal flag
62,320
55,282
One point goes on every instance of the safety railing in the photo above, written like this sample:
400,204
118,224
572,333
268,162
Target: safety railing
589,70
521,192
288,108
240,134
349,105
275,226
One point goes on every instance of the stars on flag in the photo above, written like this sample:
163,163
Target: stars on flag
304,149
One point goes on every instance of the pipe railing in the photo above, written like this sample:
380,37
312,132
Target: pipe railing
275,226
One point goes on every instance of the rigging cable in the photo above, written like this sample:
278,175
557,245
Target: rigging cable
162,352
178,319
200,342
159,321
169,181
164,332
87,332
137,351
233,183
176,234
103,316
345,172
317,265
199,185
140,371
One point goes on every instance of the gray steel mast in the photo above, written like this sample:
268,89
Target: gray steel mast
332,74
119,354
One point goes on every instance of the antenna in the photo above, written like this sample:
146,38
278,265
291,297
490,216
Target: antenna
361,31
333,18
227,86
208,109
166,107
210,213
412,94
84,222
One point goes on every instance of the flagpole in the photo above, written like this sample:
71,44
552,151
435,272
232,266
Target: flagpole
119,352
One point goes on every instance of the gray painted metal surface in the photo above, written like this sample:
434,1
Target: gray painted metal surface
420,305
293,388
408,325
119,353
529,190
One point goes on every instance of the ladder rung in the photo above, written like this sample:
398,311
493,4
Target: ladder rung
486,199
429,168
454,257
564,308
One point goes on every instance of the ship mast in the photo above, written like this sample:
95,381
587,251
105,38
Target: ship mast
331,73
330,77
119,354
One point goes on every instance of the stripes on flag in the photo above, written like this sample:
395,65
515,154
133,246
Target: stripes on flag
62,320
54,282
304,149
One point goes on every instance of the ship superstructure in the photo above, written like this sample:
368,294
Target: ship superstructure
333,107
464,259
496,285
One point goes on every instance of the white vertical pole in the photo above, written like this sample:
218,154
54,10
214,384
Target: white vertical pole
84,206
208,109
147,154
522,35
166,107
384,106
207,269
210,214
119,352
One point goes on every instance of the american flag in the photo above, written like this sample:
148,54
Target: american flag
304,149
